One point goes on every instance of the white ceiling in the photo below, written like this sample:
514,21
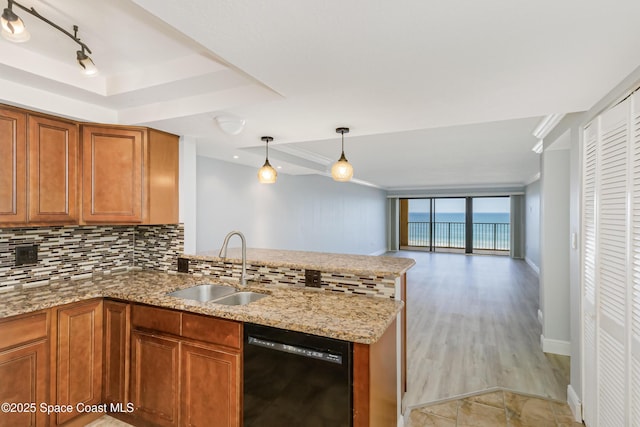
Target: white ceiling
437,94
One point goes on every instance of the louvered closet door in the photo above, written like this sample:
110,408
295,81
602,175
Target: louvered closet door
612,273
635,243
589,204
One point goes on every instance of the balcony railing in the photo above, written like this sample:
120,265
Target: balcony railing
486,235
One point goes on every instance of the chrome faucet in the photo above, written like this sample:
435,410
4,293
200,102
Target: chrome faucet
223,254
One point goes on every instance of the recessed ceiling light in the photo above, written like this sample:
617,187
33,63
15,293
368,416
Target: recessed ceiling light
279,167
236,157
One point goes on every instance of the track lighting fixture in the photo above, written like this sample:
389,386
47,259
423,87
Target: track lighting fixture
342,170
267,174
13,29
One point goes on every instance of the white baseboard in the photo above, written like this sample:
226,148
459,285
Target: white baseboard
560,347
574,403
401,421
380,252
532,265
540,316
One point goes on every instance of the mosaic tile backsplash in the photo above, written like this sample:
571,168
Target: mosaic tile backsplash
357,284
79,251
76,251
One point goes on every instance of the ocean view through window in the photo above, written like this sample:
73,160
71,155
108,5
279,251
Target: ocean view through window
441,223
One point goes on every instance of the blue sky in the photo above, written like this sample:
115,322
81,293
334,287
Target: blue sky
480,205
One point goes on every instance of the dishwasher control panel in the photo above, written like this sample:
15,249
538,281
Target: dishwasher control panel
301,351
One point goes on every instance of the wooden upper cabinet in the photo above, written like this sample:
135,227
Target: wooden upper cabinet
53,165
112,174
130,175
13,144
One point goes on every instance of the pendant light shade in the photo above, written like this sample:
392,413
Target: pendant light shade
267,174
342,170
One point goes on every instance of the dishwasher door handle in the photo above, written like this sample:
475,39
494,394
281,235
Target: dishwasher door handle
293,349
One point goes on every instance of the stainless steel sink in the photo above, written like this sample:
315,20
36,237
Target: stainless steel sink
203,293
241,298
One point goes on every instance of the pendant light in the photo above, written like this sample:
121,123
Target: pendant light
267,174
342,170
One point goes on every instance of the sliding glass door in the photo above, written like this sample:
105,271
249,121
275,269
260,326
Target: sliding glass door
461,224
491,223
449,224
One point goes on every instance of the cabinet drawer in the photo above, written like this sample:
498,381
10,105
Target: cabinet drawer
23,329
213,330
156,319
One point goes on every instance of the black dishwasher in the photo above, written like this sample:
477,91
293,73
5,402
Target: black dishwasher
295,379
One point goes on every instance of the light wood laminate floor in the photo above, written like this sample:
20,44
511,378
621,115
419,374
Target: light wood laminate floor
472,325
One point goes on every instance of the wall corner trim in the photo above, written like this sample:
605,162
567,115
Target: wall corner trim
574,403
560,347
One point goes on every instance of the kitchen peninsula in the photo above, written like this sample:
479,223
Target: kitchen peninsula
120,318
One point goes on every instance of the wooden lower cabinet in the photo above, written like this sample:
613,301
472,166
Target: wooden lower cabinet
154,378
375,381
210,386
185,369
116,357
78,357
24,369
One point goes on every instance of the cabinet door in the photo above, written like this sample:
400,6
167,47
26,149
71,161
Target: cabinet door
154,378
53,164
210,386
112,175
13,203
115,381
24,376
78,356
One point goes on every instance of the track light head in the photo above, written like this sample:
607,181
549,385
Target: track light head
13,27
88,67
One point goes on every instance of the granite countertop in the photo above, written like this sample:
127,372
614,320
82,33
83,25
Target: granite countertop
327,262
347,317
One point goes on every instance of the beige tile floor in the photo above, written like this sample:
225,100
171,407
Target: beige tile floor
107,421
493,409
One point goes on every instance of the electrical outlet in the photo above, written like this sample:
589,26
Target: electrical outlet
183,265
27,255
312,278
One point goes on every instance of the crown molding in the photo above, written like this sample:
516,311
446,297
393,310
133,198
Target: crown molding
547,124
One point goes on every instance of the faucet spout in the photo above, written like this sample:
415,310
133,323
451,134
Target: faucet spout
223,253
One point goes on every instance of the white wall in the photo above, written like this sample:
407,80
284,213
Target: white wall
554,251
532,224
188,191
303,212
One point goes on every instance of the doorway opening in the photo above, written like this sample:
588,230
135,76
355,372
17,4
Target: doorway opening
456,224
